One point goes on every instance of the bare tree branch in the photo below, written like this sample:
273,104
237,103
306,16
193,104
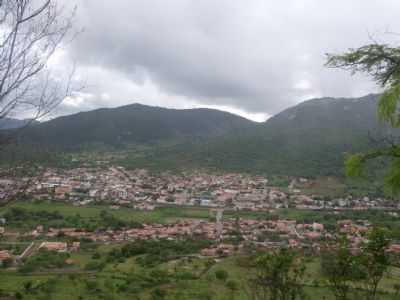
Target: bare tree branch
31,32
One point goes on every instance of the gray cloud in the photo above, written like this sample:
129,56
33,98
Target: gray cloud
256,56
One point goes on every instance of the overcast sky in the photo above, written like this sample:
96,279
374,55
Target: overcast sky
254,58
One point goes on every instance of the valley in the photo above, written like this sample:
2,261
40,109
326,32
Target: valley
111,231
199,150
130,214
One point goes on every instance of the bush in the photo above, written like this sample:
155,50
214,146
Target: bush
153,252
221,275
95,266
158,294
7,263
45,260
232,285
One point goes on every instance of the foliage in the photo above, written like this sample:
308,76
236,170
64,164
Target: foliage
45,260
341,268
27,218
221,275
233,287
382,63
374,260
153,252
345,270
108,220
158,294
278,276
6,263
21,217
95,265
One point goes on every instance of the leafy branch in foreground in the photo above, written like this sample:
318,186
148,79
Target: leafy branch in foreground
382,63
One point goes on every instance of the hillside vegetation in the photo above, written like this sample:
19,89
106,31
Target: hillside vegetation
309,139
131,124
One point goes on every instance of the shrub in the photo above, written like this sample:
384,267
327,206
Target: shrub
221,275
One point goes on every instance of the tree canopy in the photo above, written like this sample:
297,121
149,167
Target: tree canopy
382,63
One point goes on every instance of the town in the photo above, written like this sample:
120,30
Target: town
138,190
141,190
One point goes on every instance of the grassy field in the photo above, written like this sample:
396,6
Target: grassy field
173,213
203,286
159,215
323,186
118,280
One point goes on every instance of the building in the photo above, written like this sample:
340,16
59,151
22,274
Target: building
394,248
75,246
54,246
61,192
4,255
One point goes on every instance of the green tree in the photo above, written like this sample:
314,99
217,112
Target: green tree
278,276
221,275
28,285
396,288
374,260
208,263
233,287
92,286
382,63
339,266
8,262
158,294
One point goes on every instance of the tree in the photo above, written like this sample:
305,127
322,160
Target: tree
32,32
278,276
340,267
158,294
374,260
8,262
208,263
28,285
233,287
221,275
382,63
396,288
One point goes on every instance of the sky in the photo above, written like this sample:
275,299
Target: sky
253,58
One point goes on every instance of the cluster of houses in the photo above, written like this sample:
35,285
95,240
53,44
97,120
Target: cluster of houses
9,188
145,191
139,189
229,236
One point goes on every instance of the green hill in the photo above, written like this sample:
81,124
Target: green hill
131,124
309,139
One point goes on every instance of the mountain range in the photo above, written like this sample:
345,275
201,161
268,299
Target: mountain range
310,138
